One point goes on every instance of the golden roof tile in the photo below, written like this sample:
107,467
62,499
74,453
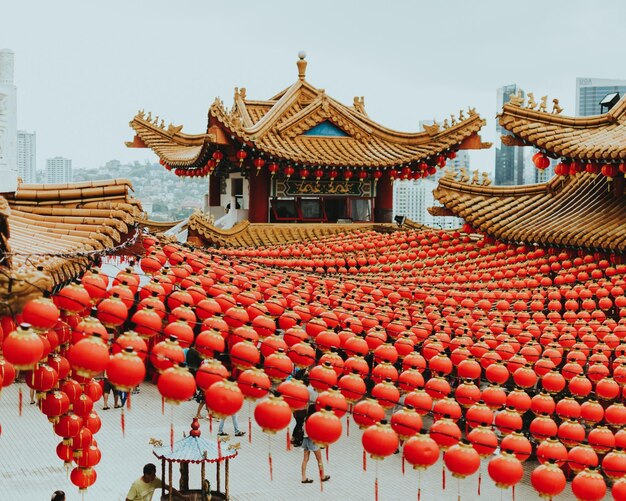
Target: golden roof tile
596,138
570,212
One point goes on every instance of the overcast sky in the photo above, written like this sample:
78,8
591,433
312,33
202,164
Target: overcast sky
83,68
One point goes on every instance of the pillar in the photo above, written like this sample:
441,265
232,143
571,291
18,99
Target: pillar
259,195
214,191
383,203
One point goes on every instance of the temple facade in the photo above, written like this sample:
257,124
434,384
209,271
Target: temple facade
302,156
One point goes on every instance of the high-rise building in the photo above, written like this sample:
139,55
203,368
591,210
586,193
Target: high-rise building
8,123
412,198
27,156
510,166
58,170
590,91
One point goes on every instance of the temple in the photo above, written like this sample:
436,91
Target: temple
301,156
582,208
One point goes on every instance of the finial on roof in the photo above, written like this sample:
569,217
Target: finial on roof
301,65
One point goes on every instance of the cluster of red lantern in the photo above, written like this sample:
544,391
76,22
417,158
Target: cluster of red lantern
573,167
448,323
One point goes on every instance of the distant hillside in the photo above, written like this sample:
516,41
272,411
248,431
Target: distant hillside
164,196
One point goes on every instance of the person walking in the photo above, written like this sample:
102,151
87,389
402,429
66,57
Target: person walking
308,445
238,432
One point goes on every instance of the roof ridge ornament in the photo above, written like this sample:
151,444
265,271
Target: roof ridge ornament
301,65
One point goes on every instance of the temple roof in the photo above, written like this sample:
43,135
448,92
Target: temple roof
246,234
50,231
302,124
594,138
578,211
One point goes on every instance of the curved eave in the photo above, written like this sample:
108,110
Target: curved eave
564,213
172,146
375,152
595,138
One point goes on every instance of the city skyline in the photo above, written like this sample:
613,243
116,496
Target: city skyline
93,88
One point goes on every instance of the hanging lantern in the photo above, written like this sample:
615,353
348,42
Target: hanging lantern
166,353
125,370
72,299
68,426
241,156
89,357
322,377
273,168
244,355
130,339
223,399
541,161
462,460
112,311
210,371
582,456
54,405
367,412
445,432
176,385
406,423
83,478
288,171
319,173
254,383
217,156
376,175
421,451
272,414
362,175
295,394
517,444
333,175
380,441
548,480
505,470
41,313
589,485
304,173
323,427
23,348
393,174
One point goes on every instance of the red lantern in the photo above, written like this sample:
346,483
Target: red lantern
505,470
445,432
462,460
223,399
176,385
23,348
295,394
589,485
272,414
367,412
72,299
41,313
581,457
254,383
126,370
83,477
406,423
380,441
323,427
421,451
548,480
210,371
89,357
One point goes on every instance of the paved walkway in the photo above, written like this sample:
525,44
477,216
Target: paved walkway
30,469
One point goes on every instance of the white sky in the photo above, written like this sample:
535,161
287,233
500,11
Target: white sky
84,67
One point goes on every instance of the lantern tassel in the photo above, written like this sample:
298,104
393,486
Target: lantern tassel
402,464
443,476
162,406
376,489
269,460
327,449
288,436
480,477
172,428
348,420
249,429
123,423
20,401
210,423
364,460
128,400
419,486
219,447
513,492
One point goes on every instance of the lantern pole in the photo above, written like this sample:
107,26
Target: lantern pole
217,476
203,472
169,468
163,477
226,480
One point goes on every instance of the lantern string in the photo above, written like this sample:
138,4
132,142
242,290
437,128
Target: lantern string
123,423
172,427
269,456
20,401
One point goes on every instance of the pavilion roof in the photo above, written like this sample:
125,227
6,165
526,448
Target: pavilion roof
195,450
50,231
595,138
281,128
578,211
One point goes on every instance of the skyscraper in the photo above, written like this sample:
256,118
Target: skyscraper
412,198
27,156
510,165
58,170
8,123
590,91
